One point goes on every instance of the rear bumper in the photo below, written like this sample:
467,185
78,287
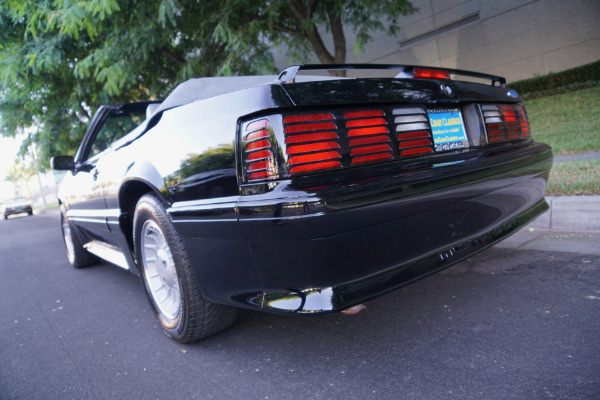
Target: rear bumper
304,248
324,299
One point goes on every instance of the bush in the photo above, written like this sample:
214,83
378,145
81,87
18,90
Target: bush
553,83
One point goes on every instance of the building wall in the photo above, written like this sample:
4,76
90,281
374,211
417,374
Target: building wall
517,39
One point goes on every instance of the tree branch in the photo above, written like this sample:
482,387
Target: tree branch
310,9
285,29
297,9
279,27
174,57
310,30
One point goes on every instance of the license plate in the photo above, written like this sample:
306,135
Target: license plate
448,129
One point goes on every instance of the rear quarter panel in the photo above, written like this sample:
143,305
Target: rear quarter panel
188,158
192,148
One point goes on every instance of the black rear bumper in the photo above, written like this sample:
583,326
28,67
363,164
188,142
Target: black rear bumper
305,247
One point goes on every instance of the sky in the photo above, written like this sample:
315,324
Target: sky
8,152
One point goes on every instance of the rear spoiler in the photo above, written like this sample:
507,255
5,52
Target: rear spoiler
288,75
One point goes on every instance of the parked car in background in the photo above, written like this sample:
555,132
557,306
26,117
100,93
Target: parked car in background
299,194
17,205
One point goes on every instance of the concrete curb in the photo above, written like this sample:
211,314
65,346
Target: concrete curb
570,213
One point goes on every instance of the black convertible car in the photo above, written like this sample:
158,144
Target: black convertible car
299,194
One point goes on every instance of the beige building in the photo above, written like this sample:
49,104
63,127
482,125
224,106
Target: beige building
517,39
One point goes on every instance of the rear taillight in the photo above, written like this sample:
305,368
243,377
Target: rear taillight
258,151
296,143
322,141
369,136
312,142
505,122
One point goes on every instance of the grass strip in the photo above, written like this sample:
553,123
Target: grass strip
574,178
569,122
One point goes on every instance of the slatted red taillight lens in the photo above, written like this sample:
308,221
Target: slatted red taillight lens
369,135
259,159
505,122
312,142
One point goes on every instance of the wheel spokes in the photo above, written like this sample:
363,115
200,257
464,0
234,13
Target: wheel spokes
159,270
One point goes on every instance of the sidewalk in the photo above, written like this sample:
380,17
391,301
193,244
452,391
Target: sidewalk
572,213
571,225
577,157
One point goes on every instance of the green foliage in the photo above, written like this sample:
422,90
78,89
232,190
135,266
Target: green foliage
568,122
554,83
61,59
19,175
574,178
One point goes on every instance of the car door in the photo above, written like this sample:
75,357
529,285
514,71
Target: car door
82,190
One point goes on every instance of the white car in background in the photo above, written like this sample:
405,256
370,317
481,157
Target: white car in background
15,205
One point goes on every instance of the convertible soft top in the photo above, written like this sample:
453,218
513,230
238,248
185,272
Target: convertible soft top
203,88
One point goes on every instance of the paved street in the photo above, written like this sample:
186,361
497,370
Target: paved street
511,323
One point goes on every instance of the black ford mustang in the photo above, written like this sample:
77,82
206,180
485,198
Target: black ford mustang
299,194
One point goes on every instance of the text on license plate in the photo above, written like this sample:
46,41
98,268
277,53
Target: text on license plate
448,129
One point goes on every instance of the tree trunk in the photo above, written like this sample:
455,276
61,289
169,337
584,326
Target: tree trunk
303,15
339,40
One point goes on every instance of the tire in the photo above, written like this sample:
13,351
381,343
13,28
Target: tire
78,256
169,279
30,213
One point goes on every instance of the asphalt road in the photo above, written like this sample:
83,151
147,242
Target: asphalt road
507,324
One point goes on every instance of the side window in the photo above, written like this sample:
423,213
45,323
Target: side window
115,127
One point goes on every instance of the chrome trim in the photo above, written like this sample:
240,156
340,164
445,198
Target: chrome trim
105,213
95,221
313,300
204,204
287,218
107,252
184,221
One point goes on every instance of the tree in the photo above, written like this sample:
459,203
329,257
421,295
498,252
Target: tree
61,59
19,175
296,24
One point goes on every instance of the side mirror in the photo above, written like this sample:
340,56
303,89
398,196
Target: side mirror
62,163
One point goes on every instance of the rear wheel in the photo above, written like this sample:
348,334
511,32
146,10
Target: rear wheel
78,256
169,280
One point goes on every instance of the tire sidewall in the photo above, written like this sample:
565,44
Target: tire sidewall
150,208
